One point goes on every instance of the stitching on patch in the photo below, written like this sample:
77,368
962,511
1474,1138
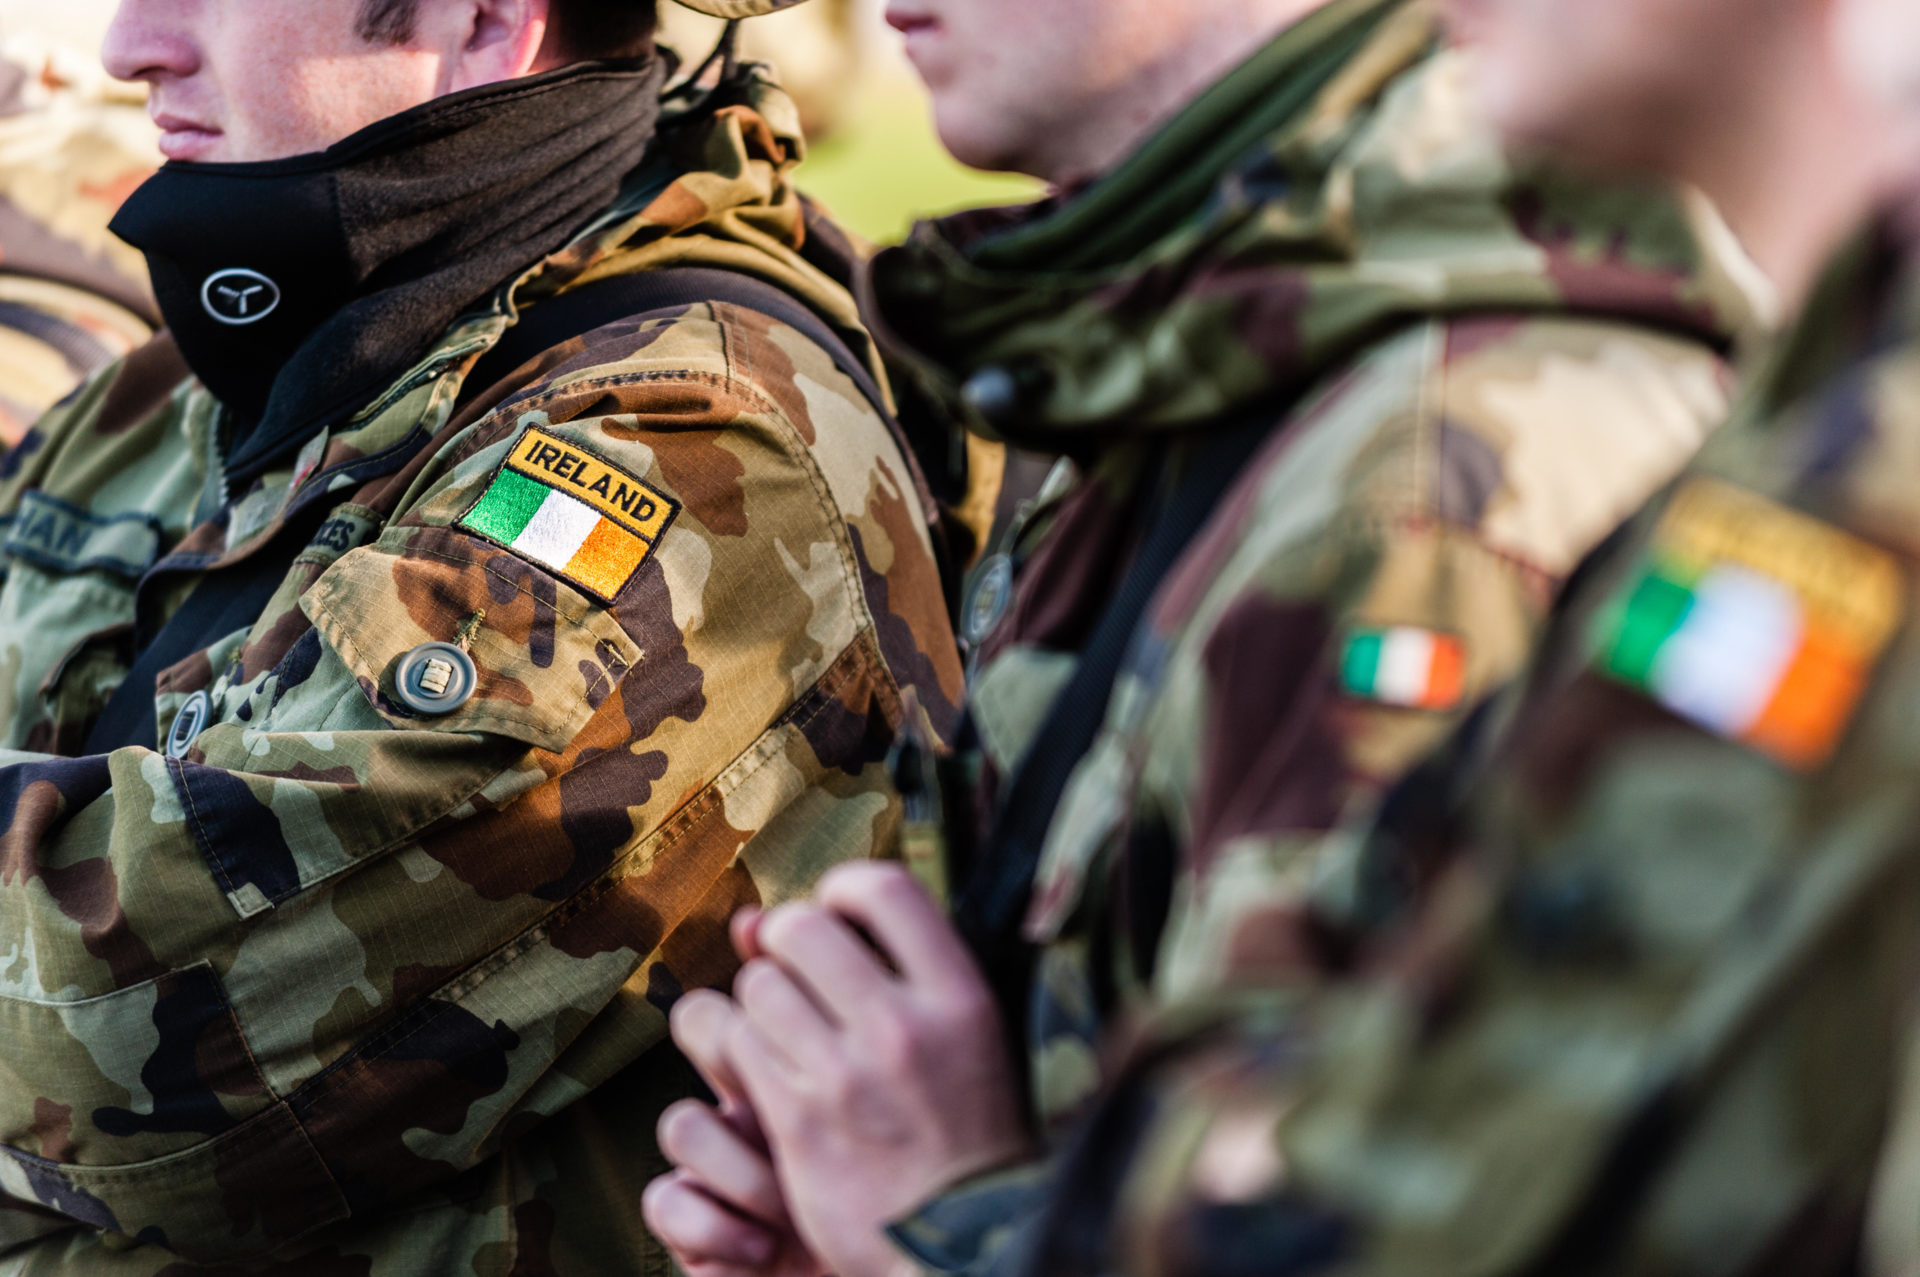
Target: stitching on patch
673,513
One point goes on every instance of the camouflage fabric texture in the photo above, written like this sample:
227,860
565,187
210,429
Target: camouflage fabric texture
73,145
1481,369
1634,989
340,987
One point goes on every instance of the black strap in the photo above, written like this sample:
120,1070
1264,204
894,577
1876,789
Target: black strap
606,301
990,906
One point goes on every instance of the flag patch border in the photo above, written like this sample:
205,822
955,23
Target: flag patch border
513,464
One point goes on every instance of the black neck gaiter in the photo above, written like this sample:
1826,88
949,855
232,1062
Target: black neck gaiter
298,289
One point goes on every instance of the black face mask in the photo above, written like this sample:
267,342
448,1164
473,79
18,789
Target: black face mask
298,289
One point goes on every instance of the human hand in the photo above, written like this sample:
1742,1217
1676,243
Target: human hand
720,1212
871,1051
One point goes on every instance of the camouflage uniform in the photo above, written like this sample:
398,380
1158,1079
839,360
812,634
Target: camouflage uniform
380,990
1652,1012
73,298
1482,370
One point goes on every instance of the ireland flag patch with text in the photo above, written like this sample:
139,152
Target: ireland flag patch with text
1754,621
562,507
1405,667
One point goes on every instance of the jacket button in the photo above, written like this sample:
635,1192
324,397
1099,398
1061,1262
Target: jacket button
435,679
993,394
990,599
188,724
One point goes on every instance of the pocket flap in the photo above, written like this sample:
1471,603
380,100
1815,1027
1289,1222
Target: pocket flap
544,656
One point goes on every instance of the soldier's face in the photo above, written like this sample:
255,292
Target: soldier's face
1013,80
1615,81
243,80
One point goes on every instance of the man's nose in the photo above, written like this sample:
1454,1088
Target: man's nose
151,40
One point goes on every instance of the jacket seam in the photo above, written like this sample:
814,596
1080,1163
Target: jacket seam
670,832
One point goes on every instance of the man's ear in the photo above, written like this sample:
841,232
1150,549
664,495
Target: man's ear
504,42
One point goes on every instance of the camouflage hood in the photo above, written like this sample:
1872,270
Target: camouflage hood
1327,192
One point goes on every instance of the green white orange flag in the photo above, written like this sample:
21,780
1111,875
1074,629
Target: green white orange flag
1754,621
1405,667
562,507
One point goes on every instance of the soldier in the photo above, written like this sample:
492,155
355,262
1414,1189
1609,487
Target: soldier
501,573
1346,393
1630,975
73,145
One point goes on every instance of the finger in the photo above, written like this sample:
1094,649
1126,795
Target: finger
698,1022
699,1229
830,961
766,1076
884,900
744,930
698,1140
770,1000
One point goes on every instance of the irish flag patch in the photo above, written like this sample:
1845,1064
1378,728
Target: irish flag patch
1754,621
1405,667
557,504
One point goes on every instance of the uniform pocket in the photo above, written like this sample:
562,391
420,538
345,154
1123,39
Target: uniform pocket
166,1130
544,656
145,1071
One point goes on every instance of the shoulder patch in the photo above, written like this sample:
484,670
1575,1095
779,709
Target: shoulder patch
573,513
1405,667
1754,621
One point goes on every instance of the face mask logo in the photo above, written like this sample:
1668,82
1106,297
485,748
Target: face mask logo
239,297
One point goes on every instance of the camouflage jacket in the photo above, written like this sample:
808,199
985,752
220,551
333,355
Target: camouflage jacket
1654,1011
1482,369
73,298
368,969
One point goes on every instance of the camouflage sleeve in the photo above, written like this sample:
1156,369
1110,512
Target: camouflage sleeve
1653,1015
1386,565
1471,466
383,913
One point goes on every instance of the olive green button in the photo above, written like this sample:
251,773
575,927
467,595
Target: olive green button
435,679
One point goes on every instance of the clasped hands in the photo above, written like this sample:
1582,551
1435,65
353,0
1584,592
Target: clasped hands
861,1070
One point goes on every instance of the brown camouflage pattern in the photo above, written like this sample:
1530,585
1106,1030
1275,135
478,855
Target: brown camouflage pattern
350,990
1625,995
1443,474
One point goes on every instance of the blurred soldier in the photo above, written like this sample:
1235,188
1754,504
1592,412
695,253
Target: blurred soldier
73,298
501,572
1347,393
1631,982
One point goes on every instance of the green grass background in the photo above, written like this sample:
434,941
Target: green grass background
886,168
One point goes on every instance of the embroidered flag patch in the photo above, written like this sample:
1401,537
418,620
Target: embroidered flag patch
1405,667
1756,622
564,508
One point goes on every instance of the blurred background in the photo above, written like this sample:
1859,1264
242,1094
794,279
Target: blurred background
876,162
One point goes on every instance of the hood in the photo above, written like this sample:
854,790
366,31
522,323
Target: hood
1334,188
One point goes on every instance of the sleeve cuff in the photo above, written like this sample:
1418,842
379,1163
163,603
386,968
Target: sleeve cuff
981,1227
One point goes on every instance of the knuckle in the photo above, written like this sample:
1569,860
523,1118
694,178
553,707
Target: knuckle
893,1043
